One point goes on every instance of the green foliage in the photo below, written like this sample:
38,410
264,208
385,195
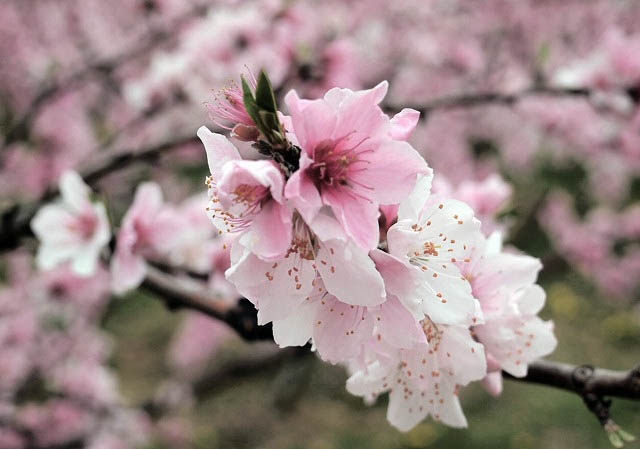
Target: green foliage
263,110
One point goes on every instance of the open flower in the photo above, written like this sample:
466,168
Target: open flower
149,230
428,240
512,333
350,162
423,380
246,197
72,230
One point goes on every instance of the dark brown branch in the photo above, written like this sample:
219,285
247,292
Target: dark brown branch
594,385
582,380
185,293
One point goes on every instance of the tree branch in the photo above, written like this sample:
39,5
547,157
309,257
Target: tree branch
582,380
484,98
185,293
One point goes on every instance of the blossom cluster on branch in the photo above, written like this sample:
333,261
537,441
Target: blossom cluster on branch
530,114
444,305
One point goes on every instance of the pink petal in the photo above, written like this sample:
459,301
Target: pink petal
358,217
313,121
359,111
403,123
276,288
397,326
492,383
219,150
127,271
340,330
74,191
302,192
261,173
392,170
270,235
297,328
462,355
531,300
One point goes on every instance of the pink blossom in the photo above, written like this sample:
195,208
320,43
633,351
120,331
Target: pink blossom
195,342
504,283
487,198
277,287
247,194
73,229
424,380
10,439
350,161
196,240
428,240
56,422
148,230
338,329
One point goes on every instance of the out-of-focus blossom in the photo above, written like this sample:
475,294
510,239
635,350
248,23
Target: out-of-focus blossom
148,230
73,230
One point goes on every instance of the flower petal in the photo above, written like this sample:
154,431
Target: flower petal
340,329
349,274
75,193
219,150
403,123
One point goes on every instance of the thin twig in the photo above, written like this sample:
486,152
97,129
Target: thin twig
485,98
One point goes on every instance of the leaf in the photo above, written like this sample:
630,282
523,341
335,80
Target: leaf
249,102
265,98
270,120
626,436
615,440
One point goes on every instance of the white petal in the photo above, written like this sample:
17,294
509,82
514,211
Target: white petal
349,273
297,328
75,193
219,150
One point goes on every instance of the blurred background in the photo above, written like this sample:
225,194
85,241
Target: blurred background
530,112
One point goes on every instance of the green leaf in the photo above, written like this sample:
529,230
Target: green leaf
615,440
270,121
249,102
265,98
626,436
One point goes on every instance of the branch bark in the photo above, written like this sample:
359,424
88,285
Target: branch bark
583,380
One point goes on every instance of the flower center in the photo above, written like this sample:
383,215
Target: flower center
431,331
302,243
336,164
85,225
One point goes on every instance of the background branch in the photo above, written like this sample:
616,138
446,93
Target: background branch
484,98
